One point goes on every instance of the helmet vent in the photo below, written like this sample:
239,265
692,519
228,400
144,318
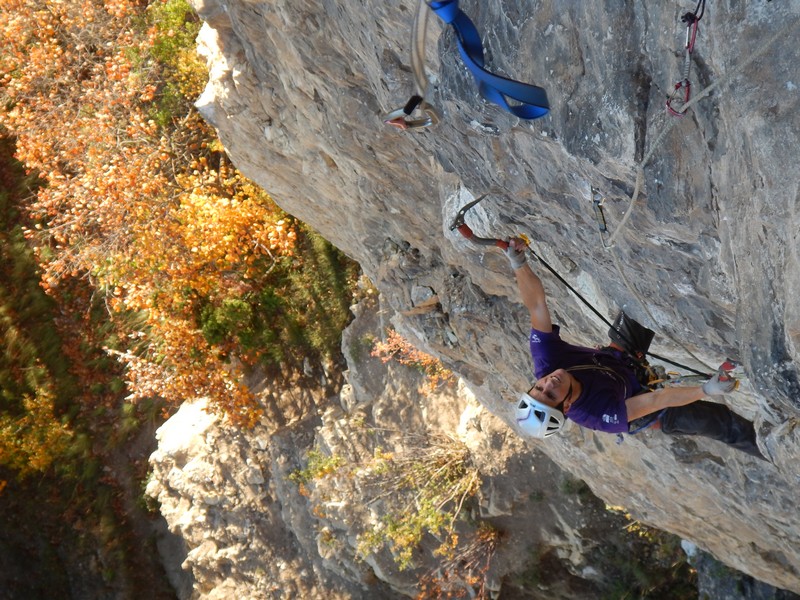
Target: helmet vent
536,419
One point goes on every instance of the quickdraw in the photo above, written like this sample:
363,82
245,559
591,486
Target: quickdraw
426,115
598,204
598,201
683,88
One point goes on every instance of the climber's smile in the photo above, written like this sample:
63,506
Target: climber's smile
555,389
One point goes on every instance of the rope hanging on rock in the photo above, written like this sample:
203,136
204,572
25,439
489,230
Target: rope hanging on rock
720,83
609,243
533,99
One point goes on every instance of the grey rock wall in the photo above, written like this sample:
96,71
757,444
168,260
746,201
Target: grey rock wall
708,257
254,530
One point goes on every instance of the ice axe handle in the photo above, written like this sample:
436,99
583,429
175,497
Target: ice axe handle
465,230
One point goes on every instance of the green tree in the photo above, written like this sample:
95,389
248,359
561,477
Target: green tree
34,377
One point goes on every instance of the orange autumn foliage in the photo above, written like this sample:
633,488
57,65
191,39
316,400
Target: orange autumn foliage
398,348
150,215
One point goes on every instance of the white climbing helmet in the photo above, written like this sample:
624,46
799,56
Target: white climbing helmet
538,420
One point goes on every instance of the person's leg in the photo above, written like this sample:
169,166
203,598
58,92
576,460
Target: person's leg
711,420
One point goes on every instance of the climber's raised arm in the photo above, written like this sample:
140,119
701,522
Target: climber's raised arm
530,286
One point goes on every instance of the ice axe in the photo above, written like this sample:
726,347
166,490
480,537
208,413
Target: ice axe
465,230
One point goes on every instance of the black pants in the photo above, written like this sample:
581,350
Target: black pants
711,420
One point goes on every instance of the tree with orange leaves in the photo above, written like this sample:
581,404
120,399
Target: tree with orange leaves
33,378
140,202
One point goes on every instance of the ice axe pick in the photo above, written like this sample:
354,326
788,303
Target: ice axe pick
460,224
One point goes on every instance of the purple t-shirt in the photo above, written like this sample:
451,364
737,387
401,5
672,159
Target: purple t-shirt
606,379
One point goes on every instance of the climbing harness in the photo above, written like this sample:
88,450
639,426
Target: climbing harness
683,88
533,99
598,368
460,224
417,113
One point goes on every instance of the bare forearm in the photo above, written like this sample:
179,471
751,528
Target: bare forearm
533,296
530,286
645,404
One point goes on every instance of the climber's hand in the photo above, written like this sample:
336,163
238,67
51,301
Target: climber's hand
516,252
719,384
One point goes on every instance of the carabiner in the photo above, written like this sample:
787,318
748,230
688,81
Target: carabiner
403,118
686,86
691,21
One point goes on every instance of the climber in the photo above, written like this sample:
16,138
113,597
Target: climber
600,389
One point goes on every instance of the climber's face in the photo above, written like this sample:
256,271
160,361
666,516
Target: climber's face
554,389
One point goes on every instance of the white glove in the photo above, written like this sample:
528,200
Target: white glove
516,253
719,385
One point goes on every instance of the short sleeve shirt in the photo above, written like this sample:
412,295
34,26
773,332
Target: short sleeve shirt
606,379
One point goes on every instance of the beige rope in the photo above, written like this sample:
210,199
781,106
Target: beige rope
719,83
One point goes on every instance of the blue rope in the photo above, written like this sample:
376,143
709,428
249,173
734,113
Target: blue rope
534,103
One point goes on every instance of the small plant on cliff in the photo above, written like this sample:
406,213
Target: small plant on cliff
574,486
422,491
318,465
463,575
396,347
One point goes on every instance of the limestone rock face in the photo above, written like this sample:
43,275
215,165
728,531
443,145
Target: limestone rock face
221,491
707,255
260,521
